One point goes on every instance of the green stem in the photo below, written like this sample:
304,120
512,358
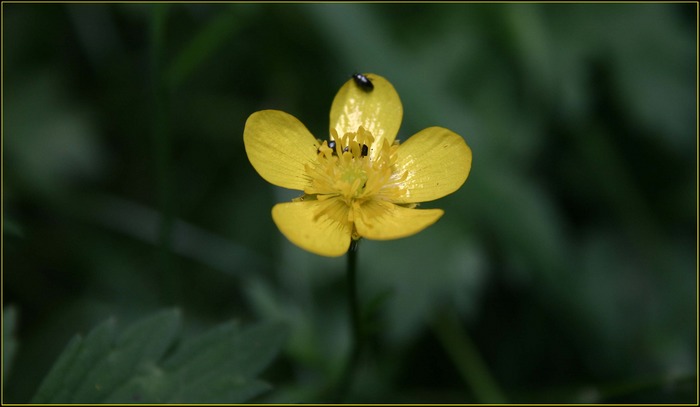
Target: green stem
348,375
162,150
464,354
352,295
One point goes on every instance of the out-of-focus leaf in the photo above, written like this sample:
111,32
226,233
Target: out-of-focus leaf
525,220
205,43
651,57
48,152
630,305
189,241
9,341
421,281
653,67
12,228
466,358
217,367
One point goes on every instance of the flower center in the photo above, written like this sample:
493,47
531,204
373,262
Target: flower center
349,172
350,168
356,178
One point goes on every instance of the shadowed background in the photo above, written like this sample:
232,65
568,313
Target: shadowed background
564,270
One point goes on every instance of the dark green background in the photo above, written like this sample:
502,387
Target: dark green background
567,261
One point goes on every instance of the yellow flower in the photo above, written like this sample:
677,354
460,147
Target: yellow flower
361,182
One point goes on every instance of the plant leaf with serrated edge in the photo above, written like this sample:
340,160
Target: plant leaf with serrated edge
217,366
68,371
100,363
138,348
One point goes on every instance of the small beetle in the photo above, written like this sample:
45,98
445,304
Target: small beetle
363,82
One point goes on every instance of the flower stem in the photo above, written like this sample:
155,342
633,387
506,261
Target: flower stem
346,379
162,151
352,295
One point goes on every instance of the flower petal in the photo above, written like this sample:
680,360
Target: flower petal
379,110
381,220
278,146
299,222
437,162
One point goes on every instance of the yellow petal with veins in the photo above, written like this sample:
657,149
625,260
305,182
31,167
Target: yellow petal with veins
436,162
379,111
320,227
279,146
381,220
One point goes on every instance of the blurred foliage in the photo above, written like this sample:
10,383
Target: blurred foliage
567,260
9,340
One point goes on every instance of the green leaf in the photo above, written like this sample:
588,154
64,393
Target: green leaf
93,368
9,341
112,366
218,366
72,365
137,348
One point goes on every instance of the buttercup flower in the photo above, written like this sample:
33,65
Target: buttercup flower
360,182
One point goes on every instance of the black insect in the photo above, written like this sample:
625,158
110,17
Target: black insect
365,150
363,82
